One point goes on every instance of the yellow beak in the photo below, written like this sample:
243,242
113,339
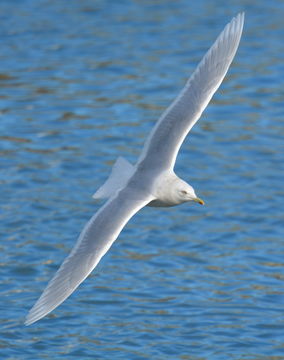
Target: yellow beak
199,201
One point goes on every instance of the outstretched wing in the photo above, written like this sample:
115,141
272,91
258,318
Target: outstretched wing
95,240
162,146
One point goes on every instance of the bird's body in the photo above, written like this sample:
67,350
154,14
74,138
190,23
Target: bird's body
151,181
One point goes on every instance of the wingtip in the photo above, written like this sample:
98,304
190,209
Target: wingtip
29,320
240,18
235,27
32,318
35,314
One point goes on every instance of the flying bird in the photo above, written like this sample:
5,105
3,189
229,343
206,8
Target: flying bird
151,181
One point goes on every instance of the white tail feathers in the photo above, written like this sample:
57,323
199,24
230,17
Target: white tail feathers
120,173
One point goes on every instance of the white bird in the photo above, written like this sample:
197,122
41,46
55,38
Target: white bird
151,181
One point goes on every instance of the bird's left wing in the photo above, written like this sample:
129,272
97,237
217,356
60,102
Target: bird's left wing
94,241
163,143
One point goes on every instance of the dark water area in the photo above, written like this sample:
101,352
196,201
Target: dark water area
83,82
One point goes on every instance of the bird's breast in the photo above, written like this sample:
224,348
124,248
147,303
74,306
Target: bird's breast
160,203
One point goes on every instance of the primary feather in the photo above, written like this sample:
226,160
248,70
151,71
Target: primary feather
94,241
163,144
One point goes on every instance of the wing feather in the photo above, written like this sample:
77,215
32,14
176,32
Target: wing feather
94,241
162,146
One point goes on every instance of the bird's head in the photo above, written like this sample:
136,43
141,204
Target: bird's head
185,192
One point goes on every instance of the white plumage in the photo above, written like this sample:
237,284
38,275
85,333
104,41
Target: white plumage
151,181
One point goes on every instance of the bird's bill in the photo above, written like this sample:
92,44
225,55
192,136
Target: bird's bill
199,201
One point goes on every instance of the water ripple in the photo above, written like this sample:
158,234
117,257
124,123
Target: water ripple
82,83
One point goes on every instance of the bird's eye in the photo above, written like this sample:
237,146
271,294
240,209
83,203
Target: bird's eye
183,192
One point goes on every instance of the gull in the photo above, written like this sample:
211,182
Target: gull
151,181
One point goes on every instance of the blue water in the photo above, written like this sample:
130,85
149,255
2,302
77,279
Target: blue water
83,82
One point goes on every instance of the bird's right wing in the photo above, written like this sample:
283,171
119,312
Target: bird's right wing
163,143
95,240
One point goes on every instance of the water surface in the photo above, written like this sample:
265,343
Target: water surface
82,83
